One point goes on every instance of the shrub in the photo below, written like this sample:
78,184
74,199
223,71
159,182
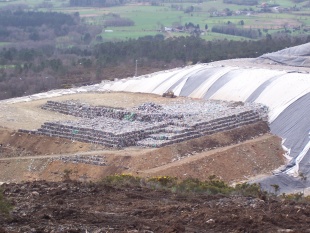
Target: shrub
164,181
5,206
211,186
190,185
295,197
253,190
121,180
67,174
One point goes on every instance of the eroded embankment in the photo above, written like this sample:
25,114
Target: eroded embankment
233,155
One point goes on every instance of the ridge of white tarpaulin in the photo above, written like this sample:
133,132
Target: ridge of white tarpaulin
89,88
37,96
160,82
294,171
120,85
187,71
279,94
129,85
200,91
177,90
105,87
243,85
68,92
16,100
145,83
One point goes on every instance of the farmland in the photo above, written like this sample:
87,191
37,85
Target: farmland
152,19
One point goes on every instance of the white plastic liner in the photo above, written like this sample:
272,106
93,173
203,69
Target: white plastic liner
294,56
244,84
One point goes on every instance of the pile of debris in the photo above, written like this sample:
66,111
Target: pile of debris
148,125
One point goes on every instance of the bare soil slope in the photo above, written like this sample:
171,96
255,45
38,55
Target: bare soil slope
88,207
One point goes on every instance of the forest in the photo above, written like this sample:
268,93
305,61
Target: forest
26,71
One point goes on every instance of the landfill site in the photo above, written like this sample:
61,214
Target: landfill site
242,120
118,132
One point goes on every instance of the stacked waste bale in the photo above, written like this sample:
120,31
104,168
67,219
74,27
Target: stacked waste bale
104,131
175,134
92,160
149,125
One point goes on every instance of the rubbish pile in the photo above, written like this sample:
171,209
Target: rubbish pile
93,160
148,125
149,107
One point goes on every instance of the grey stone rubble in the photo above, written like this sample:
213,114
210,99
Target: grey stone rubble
150,124
92,160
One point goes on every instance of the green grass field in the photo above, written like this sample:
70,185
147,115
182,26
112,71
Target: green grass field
149,19
4,43
7,66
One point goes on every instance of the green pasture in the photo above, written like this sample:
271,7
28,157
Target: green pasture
4,43
149,19
7,66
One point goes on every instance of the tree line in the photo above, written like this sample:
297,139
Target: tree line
26,71
24,28
242,2
232,29
96,3
34,19
108,3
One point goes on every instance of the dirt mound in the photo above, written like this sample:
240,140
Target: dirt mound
233,155
16,144
91,207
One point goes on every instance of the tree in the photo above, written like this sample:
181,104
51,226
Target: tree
228,12
87,38
276,188
212,11
303,179
99,38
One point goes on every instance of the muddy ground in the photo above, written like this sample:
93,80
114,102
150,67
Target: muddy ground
93,207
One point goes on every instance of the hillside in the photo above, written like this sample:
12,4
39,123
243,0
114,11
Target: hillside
27,157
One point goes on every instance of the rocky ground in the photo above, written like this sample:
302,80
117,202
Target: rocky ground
93,207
